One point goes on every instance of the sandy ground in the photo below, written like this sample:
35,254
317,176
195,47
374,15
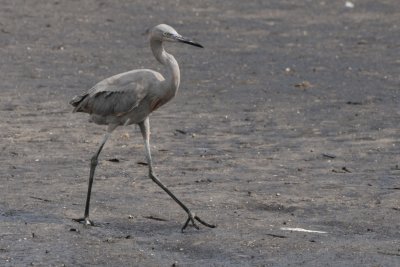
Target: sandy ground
288,118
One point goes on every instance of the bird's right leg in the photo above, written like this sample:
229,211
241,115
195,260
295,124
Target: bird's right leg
145,129
93,164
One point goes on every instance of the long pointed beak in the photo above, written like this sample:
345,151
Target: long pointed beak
187,41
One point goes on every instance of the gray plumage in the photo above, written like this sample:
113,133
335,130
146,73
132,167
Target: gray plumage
129,98
124,96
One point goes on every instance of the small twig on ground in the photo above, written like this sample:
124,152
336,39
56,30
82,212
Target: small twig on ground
155,218
42,199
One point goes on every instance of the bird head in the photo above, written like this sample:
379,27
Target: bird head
166,33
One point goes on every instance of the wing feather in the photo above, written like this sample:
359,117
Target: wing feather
118,94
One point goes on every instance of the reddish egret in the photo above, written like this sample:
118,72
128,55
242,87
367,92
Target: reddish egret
129,98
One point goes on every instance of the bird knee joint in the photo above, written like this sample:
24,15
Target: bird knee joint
151,173
93,161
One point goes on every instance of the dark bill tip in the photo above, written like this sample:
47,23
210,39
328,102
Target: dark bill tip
190,42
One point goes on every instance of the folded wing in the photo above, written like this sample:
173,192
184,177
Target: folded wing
118,94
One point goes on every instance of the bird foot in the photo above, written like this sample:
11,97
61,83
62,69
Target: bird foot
192,218
84,221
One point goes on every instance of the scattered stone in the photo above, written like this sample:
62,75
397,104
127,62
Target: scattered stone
304,85
349,4
330,156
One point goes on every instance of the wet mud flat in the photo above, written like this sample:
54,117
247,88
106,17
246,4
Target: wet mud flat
285,133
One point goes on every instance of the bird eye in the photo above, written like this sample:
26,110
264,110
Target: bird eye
167,34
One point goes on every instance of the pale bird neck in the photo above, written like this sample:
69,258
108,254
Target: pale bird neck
173,76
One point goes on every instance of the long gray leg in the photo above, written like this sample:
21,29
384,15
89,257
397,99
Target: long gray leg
93,164
145,129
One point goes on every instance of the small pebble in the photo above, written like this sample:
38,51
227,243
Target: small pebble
349,4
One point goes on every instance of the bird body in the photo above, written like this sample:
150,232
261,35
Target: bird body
131,95
129,98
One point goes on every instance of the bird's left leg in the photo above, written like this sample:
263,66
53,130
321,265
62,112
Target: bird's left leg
145,129
93,164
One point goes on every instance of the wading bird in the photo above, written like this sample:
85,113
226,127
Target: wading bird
129,98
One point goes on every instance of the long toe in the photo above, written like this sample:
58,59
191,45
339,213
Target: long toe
84,221
189,219
204,223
